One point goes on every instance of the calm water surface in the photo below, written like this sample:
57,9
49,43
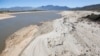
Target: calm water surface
11,25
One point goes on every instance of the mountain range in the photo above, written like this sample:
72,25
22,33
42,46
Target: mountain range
48,7
89,7
16,9
52,7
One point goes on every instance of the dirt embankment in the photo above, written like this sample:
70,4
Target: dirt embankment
72,35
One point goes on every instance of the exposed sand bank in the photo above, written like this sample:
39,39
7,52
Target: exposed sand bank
70,35
5,16
10,15
26,12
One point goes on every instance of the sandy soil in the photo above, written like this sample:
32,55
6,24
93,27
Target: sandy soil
70,35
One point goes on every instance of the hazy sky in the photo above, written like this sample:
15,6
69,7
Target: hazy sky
35,3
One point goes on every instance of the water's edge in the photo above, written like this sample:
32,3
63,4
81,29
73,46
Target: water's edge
11,25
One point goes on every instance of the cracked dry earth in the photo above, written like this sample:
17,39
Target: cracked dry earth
72,35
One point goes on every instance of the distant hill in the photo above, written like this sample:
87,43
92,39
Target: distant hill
16,9
48,7
89,7
52,7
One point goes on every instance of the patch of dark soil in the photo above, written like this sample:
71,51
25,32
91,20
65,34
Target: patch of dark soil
93,17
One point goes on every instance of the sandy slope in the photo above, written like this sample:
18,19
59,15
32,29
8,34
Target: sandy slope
70,35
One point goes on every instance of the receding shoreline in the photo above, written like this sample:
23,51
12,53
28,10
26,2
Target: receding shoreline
11,25
68,36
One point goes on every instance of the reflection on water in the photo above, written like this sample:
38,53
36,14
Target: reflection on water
9,26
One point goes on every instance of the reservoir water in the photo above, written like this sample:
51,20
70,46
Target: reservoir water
11,25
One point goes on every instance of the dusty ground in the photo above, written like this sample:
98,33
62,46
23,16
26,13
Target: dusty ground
71,35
